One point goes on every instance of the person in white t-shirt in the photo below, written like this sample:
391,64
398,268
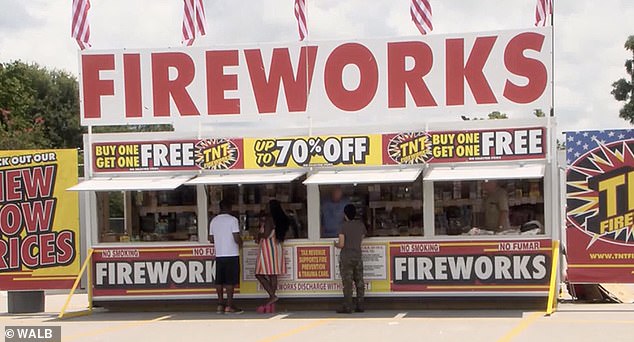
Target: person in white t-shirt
224,233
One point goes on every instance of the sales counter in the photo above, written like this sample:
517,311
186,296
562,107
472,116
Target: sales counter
468,212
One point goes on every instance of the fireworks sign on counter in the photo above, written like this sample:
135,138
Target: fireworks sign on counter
416,267
152,271
321,151
493,266
39,219
600,206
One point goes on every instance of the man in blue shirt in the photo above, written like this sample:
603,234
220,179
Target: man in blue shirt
332,215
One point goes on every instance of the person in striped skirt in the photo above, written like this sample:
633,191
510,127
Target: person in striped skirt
270,262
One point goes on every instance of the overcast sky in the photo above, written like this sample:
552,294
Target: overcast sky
589,35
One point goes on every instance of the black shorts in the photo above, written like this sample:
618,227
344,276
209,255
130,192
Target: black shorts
227,270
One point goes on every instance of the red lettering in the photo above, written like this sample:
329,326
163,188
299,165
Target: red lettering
64,244
163,87
296,87
457,71
3,255
38,215
132,85
2,185
10,219
14,252
47,249
38,181
398,78
532,69
26,252
361,56
13,185
94,87
218,82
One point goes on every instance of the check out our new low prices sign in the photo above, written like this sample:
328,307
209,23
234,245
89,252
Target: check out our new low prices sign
39,219
600,206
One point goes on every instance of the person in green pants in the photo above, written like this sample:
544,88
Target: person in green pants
350,261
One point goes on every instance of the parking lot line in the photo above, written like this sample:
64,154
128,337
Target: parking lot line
521,326
296,330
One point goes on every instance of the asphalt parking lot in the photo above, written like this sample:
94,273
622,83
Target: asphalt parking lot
572,322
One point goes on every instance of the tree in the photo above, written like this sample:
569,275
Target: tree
492,116
623,89
539,113
497,115
39,108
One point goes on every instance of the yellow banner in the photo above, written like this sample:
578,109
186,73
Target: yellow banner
352,150
39,219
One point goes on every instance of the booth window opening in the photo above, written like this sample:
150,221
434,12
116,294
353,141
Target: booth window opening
386,209
135,216
489,207
249,203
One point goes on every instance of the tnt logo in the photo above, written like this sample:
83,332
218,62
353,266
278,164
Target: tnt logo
615,202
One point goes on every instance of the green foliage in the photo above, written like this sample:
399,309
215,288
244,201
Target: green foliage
623,89
497,115
39,107
539,113
627,112
492,116
115,203
132,128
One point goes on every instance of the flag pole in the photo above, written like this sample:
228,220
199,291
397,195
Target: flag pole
552,56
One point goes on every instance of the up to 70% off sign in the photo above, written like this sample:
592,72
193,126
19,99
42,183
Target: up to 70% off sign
311,151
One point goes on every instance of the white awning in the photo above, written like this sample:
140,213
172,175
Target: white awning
364,176
130,183
247,178
484,172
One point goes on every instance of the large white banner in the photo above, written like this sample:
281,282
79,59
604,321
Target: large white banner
415,78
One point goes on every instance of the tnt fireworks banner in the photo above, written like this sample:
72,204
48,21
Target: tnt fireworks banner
168,155
39,219
416,147
600,206
293,152
464,146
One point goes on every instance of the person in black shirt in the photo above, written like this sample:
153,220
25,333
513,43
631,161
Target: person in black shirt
350,261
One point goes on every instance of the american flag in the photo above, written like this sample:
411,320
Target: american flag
194,21
300,15
421,15
80,29
543,10
581,142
